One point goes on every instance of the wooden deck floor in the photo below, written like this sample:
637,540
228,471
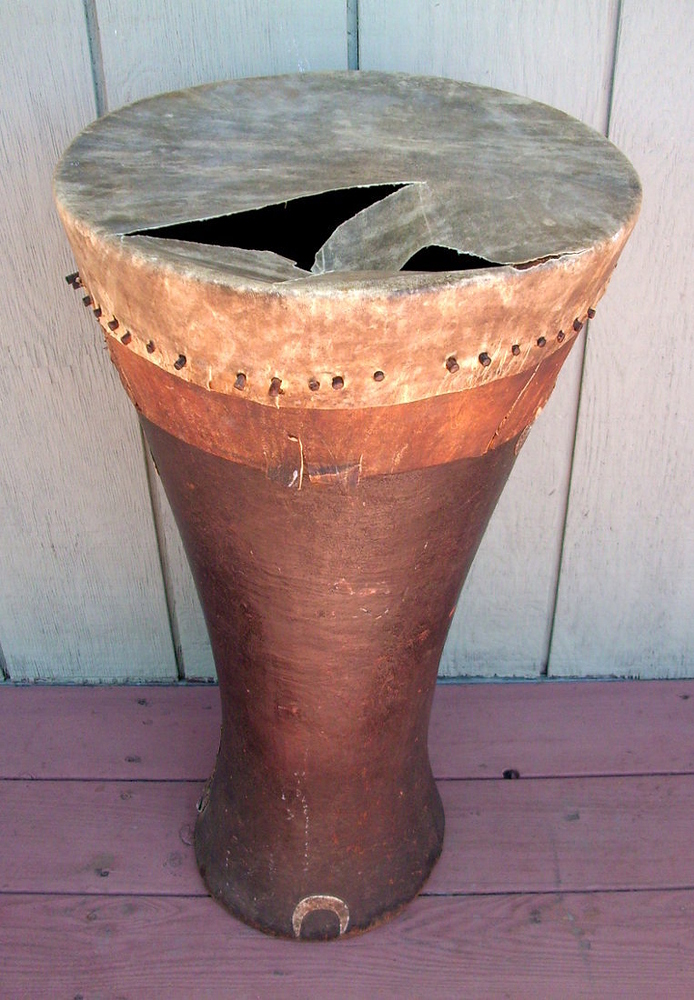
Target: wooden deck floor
575,881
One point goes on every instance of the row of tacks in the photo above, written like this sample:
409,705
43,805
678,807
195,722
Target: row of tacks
338,381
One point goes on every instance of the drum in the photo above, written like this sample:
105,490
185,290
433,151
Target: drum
338,302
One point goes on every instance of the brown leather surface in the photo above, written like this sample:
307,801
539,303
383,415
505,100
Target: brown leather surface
292,445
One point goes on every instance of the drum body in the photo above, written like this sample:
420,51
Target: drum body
333,441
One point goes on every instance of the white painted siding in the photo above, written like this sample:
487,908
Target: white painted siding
93,582
81,593
626,595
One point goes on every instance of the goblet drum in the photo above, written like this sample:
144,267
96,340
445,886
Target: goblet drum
337,301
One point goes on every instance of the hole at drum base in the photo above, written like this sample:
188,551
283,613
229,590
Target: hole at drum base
295,229
320,925
438,258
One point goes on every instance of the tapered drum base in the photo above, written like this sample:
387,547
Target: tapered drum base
312,881
327,607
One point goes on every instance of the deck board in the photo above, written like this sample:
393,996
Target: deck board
600,945
109,733
502,836
575,881
477,730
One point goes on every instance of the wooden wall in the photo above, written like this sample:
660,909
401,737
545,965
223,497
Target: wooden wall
588,565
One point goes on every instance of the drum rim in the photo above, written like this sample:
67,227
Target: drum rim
413,334
566,139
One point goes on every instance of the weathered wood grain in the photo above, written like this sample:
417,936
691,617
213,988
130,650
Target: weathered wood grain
559,53
89,732
545,835
162,46
105,837
631,945
166,46
496,44
98,943
575,728
81,593
477,730
569,835
626,595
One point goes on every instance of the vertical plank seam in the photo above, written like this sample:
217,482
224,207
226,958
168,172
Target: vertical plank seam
163,561
101,100
352,34
546,671
96,55
613,68
4,670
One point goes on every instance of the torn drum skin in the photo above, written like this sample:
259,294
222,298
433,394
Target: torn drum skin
338,302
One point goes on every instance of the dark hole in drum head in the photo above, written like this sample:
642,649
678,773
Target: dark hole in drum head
295,229
320,925
436,258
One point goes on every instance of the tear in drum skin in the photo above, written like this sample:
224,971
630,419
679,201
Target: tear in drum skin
298,228
295,229
438,258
